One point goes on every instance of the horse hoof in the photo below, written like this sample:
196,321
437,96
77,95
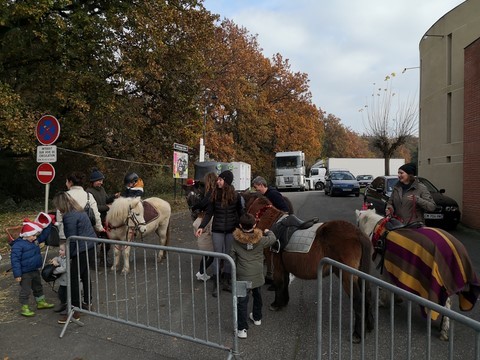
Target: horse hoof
273,307
444,337
356,339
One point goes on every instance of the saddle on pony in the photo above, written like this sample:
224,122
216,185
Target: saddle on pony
286,227
150,213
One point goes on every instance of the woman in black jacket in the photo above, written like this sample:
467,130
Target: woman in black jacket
77,223
226,207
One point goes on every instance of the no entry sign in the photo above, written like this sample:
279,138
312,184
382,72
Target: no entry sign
47,130
45,173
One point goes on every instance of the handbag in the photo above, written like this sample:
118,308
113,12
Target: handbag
47,273
88,209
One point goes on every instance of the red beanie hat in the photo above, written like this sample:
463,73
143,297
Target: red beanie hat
30,228
44,219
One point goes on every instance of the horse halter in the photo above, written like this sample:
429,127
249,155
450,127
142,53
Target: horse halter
260,212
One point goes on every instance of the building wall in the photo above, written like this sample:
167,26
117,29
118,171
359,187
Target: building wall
442,105
471,157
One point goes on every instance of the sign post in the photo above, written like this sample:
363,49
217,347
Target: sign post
47,132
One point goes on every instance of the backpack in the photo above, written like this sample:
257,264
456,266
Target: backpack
47,273
88,209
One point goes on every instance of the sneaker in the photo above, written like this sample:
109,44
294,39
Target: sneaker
242,334
256,322
26,311
63,318
202,277
42,304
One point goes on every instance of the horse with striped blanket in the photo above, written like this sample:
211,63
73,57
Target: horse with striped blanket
428,262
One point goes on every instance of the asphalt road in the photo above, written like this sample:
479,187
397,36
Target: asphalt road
288,334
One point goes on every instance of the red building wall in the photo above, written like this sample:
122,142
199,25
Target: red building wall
471,134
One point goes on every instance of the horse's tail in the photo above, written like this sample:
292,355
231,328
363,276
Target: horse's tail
167,236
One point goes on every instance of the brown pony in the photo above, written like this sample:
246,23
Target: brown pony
338,240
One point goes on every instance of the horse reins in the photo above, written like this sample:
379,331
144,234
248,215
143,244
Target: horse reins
130,229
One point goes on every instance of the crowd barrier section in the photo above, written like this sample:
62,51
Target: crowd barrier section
400,331
162,297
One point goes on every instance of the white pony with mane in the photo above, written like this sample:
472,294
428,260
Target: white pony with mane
126,221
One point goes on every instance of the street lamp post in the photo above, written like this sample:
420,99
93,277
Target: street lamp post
204,132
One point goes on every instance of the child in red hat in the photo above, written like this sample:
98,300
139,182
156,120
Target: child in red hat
26,261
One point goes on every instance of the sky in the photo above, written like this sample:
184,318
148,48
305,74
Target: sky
345,46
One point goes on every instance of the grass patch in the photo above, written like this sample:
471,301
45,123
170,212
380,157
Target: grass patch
12,214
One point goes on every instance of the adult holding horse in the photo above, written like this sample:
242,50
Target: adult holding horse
410,198
226,207
337,239
272,194
103,200
74,184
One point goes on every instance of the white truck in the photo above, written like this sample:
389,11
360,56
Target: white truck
242,175
316,177
290,170
364,166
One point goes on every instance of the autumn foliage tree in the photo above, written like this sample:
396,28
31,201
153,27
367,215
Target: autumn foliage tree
127,79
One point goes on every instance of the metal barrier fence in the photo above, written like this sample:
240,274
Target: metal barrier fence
164,298
399,331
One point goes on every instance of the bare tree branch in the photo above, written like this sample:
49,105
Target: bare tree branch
390,121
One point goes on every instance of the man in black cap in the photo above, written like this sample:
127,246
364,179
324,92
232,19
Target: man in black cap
410,198
103,200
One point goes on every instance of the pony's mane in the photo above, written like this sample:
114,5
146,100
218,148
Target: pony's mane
118,211
250,197
367,219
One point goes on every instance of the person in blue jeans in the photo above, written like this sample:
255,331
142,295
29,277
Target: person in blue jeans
247,252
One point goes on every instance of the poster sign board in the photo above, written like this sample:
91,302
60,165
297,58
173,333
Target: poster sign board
180,161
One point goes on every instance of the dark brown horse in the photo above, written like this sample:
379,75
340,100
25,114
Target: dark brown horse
338,240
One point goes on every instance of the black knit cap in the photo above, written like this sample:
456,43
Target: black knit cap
227,176
96,175
410,168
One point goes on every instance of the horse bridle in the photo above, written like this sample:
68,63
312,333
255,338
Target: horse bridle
130,228
260,212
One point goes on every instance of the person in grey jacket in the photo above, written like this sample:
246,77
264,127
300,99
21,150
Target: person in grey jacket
247,252
410,198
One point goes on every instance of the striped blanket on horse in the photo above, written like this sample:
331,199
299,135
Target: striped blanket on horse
433,264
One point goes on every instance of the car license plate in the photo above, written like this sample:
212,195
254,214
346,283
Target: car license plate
433,216
346,189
